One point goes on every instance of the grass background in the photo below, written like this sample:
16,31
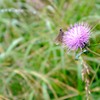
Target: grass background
32,67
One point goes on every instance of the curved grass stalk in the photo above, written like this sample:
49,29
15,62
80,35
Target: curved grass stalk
97,54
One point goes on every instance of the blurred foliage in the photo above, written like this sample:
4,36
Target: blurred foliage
32,67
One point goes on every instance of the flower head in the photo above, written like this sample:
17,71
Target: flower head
77,36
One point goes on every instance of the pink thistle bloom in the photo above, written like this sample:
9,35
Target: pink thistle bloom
77,36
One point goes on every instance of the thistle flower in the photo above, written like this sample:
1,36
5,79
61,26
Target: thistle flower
77,36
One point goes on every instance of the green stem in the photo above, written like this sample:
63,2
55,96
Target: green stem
97,54
79,68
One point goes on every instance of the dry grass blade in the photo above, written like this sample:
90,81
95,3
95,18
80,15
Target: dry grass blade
3,98
67,96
